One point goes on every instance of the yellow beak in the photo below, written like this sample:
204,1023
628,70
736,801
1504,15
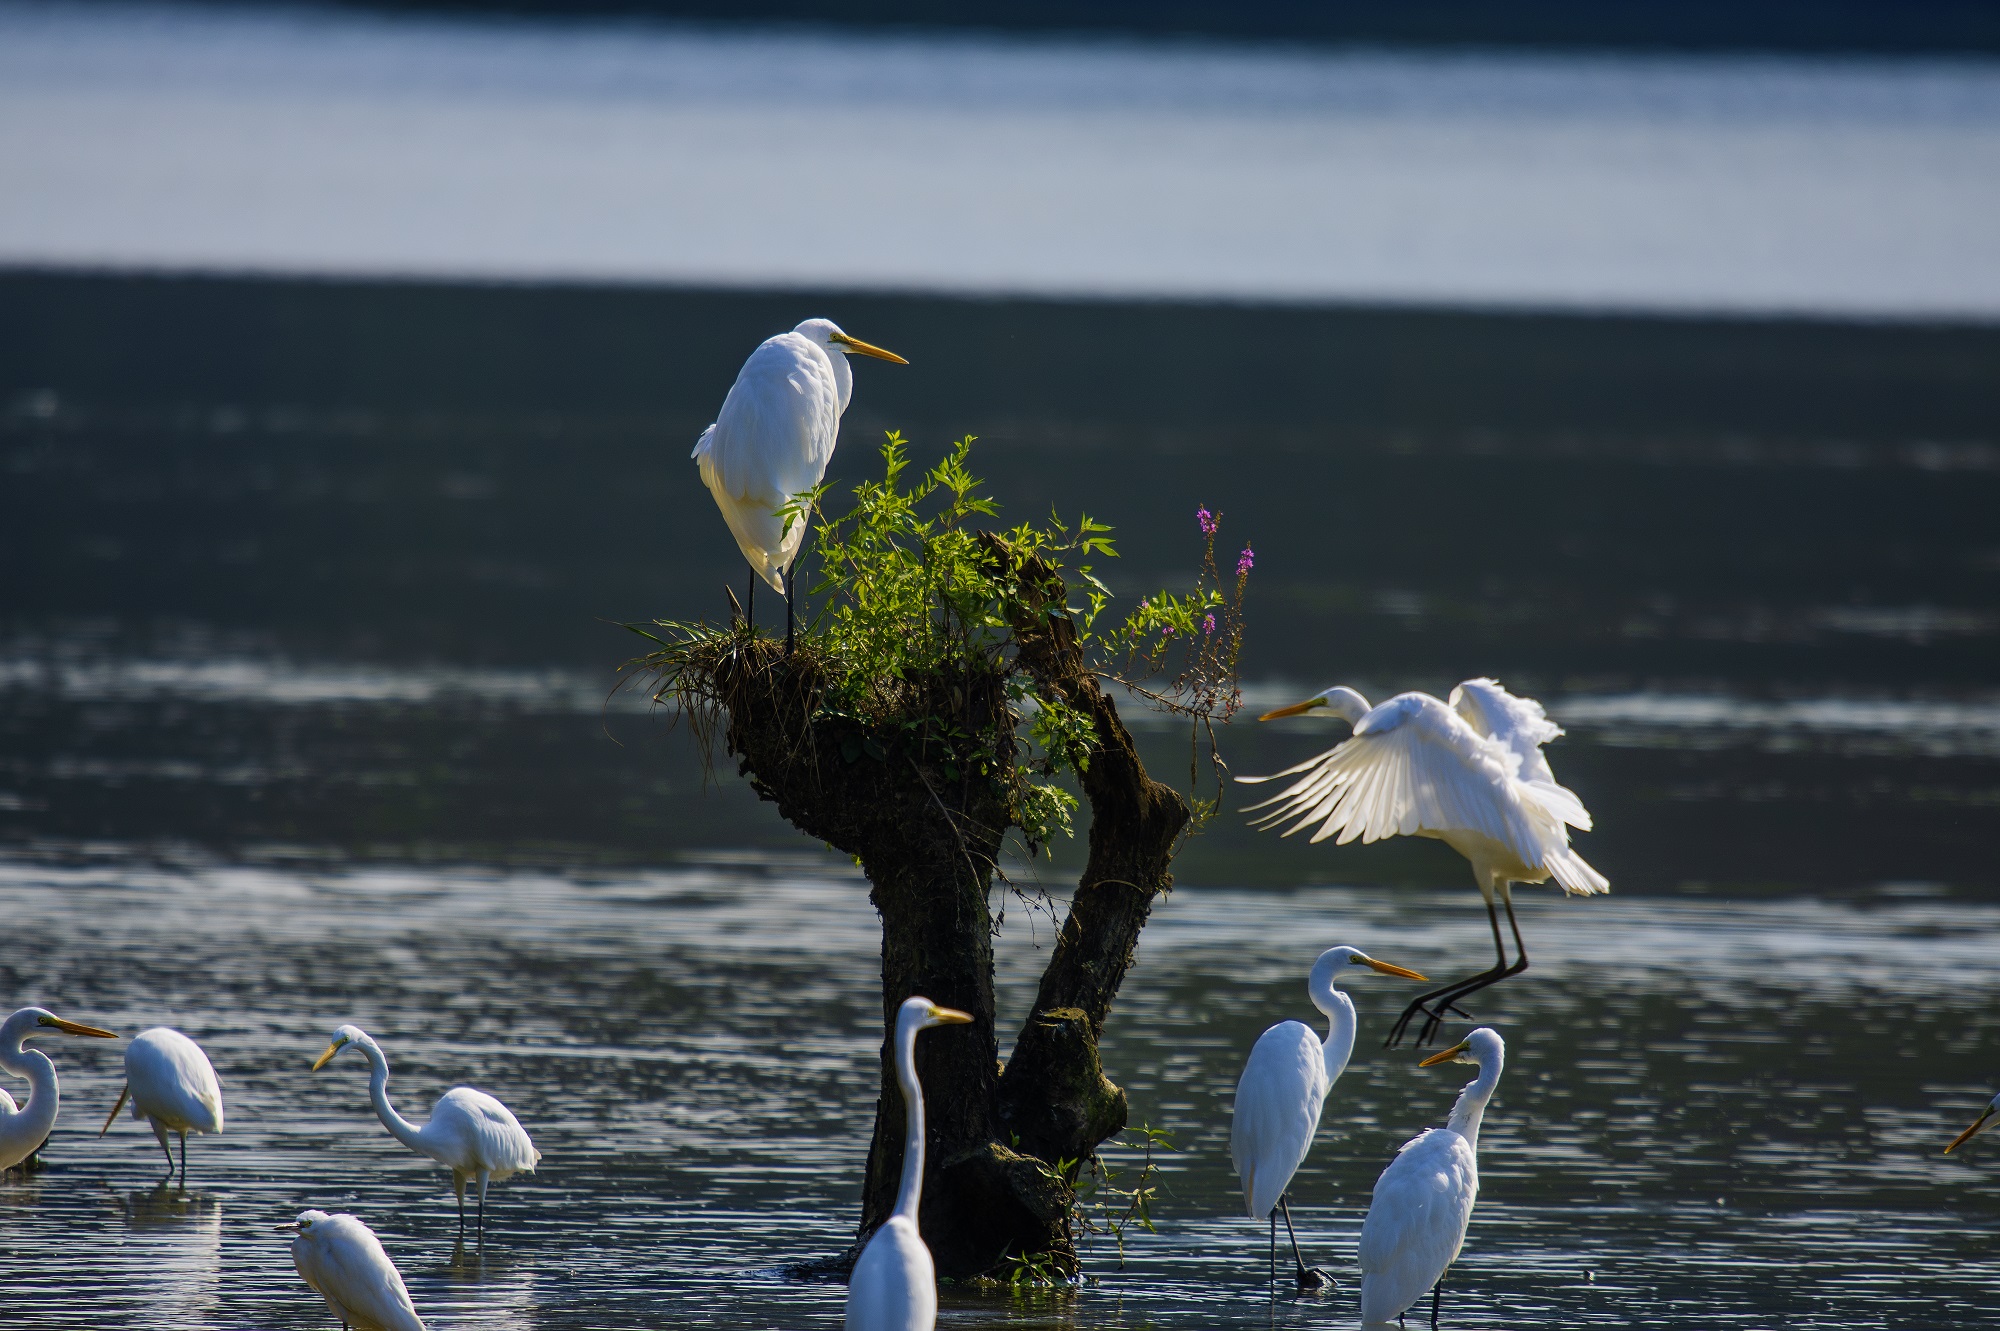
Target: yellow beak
1387,969
1966,1136
327,1057
1296,709
855,344
950,1016
1447,1055
78,1028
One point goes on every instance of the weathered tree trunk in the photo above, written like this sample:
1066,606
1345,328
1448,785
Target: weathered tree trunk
929,844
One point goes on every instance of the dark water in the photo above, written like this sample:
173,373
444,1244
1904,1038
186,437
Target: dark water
308,607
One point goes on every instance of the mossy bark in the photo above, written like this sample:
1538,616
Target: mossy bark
1004,1144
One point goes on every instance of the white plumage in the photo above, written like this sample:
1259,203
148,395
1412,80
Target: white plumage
1283,1089
894,1283
344,1263
1470,773
173,1085
774,437
470,1133
1423,1202
25,1127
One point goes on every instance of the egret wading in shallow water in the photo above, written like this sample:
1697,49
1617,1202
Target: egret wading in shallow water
173,1085
1280,1095
1469,773
1987,1118
894,1284
25,1128
1423,1201
343,1262
470,1133
772,441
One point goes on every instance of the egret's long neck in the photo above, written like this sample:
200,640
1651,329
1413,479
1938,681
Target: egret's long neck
1346,703
1339,1010
399,1127
1471,1106
38,1114
912,1189
843,376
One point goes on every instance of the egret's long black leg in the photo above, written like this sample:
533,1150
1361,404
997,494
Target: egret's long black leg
1310,1279
184,1162
1479,982
750,602
1437,1004
791,597
1437,1292
1274,1249
458,1183
160,1135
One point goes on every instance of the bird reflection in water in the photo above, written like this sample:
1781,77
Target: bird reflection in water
175,1239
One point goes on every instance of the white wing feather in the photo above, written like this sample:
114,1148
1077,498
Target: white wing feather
771,441
894,1284
1523,726
1278,1104
344,1261
1416,1222
471,1131
173,1082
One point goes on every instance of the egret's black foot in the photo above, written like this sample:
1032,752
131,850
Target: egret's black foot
1313,1280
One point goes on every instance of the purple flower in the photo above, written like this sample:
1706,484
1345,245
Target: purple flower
1208,623
1207,521
1245,562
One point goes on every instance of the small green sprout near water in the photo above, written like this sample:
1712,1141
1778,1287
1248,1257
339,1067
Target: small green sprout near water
916,604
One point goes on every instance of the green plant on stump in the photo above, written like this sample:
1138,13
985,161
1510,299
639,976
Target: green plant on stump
948,692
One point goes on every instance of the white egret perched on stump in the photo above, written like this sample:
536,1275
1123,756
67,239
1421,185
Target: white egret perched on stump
344,1263
1469,773
173,1085
1423,1202
772,441
1987,1118
23,1130
1280,1095
894,1283
470,1133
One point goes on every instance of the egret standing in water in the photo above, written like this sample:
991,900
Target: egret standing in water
1423,1202
173,1084
1987,1118
1280,1095
470,1133
24,1129
344,1263
894,1284
1469,773
772,441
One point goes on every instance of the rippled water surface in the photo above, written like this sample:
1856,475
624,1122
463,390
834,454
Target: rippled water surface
1712,1115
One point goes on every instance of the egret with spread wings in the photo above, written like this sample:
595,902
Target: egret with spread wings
1470,773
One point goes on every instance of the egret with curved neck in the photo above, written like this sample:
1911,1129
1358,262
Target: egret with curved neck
894,1284
470,1133
1423,1202
23,1131
1468,771
1279,1097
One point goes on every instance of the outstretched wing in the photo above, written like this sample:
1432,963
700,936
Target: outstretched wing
1412,766
1521,725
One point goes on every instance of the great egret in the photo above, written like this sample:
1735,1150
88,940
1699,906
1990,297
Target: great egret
1987,1118
172,1083
1423,1201
894,1284
343,1262
23,1131
1469,773
772,440
1281,1092
470,1133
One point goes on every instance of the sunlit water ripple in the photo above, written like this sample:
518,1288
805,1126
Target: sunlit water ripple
1713,1115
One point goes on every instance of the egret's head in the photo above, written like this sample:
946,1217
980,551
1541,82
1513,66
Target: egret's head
922,1014
1339,701
342,1037
1987,1118
304,1224
48,1023
1333,964
827,333
1483,1048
